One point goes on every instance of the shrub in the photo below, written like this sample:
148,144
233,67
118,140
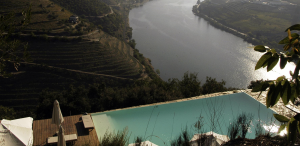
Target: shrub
182,140
32,34
7,113
112,139
212,86
138,140
45,36
240,126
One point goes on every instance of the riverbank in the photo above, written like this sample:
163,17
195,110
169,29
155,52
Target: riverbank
221,26
148,70
255,23
141,3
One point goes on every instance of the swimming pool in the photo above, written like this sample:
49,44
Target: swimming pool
162,123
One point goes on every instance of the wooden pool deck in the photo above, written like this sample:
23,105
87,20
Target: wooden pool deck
42,129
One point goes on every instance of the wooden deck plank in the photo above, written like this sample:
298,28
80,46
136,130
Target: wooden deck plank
42,129
35,135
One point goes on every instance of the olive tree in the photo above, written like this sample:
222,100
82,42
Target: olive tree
286,88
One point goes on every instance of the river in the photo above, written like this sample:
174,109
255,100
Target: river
177,41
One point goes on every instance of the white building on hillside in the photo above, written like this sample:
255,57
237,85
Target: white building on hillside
73,19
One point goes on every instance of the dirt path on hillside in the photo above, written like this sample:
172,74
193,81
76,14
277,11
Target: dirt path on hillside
79,71
111,12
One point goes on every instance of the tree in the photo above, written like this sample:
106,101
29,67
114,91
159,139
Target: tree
288,89
7,113
190,85
10,48
212,86
157,71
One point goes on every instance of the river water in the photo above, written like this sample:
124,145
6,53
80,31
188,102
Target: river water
177,41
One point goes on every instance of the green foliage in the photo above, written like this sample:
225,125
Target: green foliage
74,100
281,118
212,86
233,130
9,49
288,89
157,71
7,113
143,61
244,120
240,126
111,23
138,140
132,43
102,97
182,140
257,22
258,129
190,85
260,48
112,139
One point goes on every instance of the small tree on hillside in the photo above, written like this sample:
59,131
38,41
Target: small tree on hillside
9,48
288,89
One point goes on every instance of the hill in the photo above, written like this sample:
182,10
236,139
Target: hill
45,14
65,54
261,23
65,63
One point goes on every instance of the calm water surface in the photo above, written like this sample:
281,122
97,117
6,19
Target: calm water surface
163,123
177,41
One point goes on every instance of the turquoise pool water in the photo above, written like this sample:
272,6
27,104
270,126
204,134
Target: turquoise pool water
162,123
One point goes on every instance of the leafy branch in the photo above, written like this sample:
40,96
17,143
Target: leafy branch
288,89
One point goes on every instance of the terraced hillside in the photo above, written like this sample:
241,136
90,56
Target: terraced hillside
60,59
248,17
56,65
22,90
87,56
45,15
259,21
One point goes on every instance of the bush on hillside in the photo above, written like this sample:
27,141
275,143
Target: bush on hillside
100,97
7,113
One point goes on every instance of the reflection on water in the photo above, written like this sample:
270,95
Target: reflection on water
177,41
274,129
163,123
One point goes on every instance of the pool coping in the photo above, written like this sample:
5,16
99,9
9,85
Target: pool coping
278,108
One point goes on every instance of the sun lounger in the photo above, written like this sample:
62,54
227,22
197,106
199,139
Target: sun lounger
68,138
87,121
